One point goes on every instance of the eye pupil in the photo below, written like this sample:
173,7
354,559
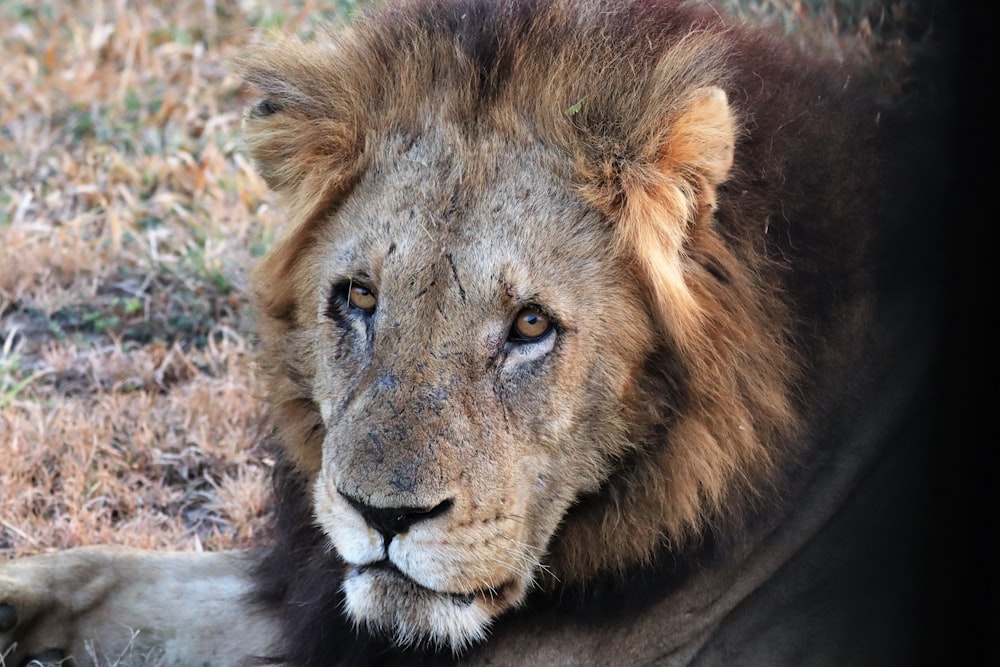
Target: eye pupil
361,297
531,324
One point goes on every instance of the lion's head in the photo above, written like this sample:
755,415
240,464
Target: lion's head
508,345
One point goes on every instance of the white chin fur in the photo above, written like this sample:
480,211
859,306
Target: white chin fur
412,614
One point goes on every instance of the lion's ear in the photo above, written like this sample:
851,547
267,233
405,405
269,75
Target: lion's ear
700,144
303,133
666,199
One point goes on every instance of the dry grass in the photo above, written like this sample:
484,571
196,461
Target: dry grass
128,217
129,214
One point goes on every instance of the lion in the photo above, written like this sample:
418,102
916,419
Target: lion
587,342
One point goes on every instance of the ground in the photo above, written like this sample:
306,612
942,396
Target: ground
129,215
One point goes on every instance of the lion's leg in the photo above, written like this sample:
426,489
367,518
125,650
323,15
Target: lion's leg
156,608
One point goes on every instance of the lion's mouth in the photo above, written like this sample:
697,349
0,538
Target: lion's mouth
387,569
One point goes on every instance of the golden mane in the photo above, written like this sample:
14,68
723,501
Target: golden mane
648,114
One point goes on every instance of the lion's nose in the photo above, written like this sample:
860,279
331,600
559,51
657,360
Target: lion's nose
391,521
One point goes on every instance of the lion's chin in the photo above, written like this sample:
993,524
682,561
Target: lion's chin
390,603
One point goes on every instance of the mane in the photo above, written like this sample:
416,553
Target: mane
749,284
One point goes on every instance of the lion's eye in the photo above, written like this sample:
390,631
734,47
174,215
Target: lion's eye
361,297
530,325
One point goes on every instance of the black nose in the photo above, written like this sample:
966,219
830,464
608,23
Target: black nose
392,521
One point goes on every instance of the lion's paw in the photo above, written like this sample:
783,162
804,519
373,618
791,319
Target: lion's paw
27,637
118,606
36,625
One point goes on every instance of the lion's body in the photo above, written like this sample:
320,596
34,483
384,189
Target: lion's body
573,341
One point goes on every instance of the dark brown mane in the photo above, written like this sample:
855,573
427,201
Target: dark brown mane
754,340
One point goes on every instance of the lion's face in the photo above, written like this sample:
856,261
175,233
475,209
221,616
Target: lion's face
504,338
471,380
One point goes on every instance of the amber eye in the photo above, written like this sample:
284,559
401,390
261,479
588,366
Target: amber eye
361,297
530,324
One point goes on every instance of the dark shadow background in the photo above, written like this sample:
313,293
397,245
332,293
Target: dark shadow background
964,628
